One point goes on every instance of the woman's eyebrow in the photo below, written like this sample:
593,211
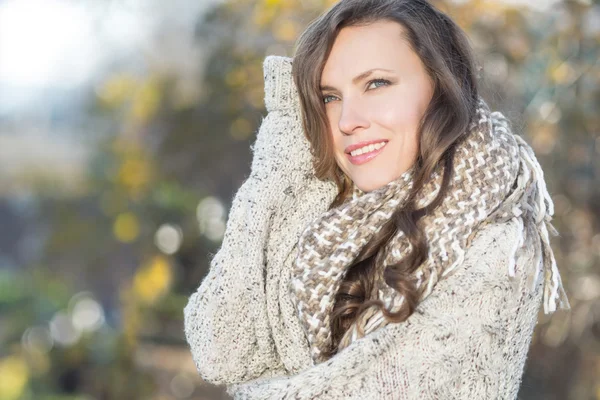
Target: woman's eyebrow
359,77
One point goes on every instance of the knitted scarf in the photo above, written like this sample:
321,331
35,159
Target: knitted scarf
496,178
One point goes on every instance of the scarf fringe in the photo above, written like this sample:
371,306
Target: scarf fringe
541,215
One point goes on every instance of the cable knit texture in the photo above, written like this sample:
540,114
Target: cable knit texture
468,339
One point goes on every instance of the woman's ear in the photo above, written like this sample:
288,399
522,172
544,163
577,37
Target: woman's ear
280,89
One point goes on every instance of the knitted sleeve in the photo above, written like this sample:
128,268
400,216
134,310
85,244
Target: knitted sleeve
467,340
225,320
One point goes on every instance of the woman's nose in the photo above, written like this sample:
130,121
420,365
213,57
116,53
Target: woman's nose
352,117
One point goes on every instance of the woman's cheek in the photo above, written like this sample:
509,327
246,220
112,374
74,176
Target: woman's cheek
393,116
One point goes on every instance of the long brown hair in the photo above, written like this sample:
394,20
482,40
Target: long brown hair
449,61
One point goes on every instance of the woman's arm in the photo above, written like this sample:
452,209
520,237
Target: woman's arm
225,320
468,340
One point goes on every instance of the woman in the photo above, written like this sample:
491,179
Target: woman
391,241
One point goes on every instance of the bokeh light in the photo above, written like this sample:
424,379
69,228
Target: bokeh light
211,214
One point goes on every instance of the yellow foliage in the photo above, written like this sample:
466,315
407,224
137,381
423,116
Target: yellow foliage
152,280
117,89
263,16
134,173
563,74
240,129
145,101
126,227
236,77
131,317
15,375
143,96
493,7
285,31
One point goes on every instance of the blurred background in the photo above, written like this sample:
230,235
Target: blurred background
125,128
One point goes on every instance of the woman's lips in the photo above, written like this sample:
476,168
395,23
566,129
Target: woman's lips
365,157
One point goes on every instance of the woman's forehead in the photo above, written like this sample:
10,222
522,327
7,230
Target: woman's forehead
358,49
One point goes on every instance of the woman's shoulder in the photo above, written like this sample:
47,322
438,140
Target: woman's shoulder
495,235
499,259
496,247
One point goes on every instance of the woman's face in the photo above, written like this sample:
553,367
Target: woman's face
381,106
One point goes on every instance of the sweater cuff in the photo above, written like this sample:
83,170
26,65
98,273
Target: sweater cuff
280,90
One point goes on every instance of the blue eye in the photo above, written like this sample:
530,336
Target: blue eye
383,82
380,80
325,98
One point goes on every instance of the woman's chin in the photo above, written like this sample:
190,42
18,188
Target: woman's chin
368,185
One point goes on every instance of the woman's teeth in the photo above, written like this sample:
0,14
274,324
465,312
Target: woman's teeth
367,149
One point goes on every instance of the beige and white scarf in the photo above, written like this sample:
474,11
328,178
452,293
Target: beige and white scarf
496,178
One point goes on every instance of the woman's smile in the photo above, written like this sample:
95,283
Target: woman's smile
366,153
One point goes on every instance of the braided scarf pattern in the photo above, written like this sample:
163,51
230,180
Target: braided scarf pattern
496,178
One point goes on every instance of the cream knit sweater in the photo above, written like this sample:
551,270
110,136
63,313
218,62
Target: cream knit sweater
468,340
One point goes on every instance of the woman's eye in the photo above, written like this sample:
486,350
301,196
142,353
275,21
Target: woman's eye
384,82
325,99
381,82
